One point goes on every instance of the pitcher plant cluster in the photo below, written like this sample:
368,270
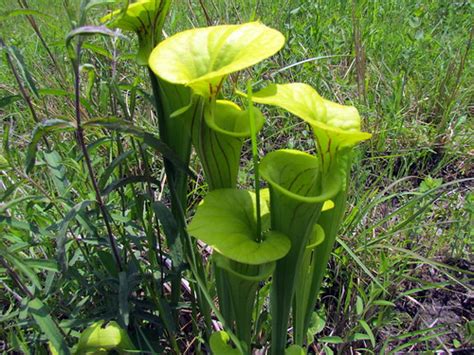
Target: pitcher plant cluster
282,234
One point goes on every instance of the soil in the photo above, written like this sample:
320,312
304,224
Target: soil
450,307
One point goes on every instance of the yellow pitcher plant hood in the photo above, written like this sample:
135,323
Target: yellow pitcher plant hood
145,18
201,58
335,126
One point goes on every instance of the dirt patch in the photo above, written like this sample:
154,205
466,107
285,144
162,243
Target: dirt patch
446,308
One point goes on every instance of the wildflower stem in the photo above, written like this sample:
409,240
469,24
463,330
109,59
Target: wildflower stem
81,140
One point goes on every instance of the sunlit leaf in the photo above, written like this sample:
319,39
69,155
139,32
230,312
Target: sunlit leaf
369,332
38,132
201,58
297,175
98,337
294,350
335,126
145,18
228,118
316,325
219,343
18,12
226,220
331,340
89,31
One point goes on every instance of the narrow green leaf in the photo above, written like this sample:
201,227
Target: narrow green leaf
63,93
94,3
108,262
359,305
42,264
7,100
17,341
15,202
91,30
420,340
383,303
17,224
57,172
19,12
20,62
98,50
360,336
128,180
360,263
159,146
20,265
39,131
61,236
6,141
295,350
115,163
328,350
8,191
123,298
316,325
3,166
331,340
40,313
147,138
369,332
170,228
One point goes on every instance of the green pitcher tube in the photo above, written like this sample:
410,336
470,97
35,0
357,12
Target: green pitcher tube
297,193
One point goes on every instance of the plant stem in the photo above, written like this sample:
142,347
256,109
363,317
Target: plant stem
31,20
16,278
81,140
253,136
23,91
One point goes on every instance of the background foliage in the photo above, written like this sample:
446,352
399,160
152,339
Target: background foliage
401,276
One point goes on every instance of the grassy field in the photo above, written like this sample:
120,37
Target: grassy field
401,276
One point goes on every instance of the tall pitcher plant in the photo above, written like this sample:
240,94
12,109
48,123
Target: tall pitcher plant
202,59
146,19
285,232
336,130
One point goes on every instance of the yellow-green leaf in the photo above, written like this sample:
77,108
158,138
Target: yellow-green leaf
144,17
219,343
226,220
335,126
98,338
137,16
294,350
298,98
229,119
201,58
328,205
